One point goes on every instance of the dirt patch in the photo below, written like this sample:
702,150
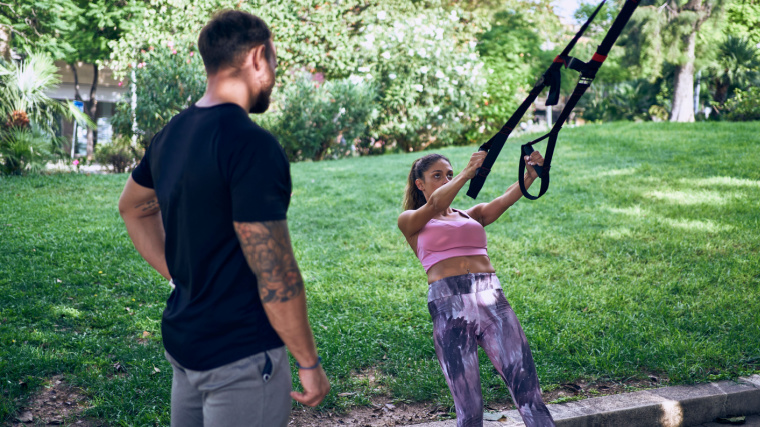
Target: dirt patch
584,389
57,404
61,404
383,412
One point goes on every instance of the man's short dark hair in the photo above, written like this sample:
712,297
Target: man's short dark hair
229,34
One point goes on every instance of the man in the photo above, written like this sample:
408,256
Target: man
207,208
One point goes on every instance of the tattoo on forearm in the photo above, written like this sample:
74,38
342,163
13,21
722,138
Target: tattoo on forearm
149,206
269,253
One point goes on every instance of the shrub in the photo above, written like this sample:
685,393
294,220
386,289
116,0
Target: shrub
119,154
510,52
744,106
427,71
621,101
25,150
169,79
316,121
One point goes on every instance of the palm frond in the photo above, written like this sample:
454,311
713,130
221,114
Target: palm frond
24,87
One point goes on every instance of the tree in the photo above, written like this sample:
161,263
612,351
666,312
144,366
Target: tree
97,23
168,79
5,42
743,20
511,54
71,30
37,25
670,33
737,65
421,55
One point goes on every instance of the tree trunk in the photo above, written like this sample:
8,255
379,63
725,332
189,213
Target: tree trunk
721,90
5,42
683,94
92,110
73,67
77,97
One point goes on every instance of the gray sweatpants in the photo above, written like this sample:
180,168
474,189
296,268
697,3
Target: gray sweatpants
254,391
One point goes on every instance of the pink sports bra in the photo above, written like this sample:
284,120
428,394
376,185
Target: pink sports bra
439,240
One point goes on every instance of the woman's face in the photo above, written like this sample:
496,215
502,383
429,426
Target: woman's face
438,173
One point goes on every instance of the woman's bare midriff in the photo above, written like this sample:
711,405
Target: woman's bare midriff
458,266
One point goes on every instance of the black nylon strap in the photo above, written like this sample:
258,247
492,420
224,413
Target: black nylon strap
496,143
588,73
550,78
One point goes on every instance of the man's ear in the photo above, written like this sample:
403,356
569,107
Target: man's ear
259,57
420,185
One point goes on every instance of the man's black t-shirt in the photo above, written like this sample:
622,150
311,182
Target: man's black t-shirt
210,167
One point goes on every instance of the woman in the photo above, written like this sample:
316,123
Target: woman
465,298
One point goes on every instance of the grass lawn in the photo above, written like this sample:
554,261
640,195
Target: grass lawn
643,258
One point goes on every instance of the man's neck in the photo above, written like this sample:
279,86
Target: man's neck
225,90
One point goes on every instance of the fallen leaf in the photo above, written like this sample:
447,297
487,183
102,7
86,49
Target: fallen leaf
732,420
493,416
146,334
25,417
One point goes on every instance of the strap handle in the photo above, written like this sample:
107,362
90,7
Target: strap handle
542,171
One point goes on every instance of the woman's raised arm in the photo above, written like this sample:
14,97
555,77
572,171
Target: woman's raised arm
410,222
486,213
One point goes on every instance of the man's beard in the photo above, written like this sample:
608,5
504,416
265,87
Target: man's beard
262,102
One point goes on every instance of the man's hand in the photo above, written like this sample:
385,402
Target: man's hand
315,386
269,252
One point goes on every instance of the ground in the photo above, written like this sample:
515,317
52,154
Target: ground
60,404
56,404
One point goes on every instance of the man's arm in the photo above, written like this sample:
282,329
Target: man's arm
139,208
269,253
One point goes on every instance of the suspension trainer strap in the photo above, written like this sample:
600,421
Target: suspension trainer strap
551,78
588,73
542,171
495,144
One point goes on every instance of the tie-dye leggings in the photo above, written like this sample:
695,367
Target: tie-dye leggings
471,310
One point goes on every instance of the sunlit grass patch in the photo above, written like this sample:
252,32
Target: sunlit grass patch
616,172
64,311
695,197
694,225
635,211
717,181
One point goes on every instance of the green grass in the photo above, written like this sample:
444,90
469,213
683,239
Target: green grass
643,257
